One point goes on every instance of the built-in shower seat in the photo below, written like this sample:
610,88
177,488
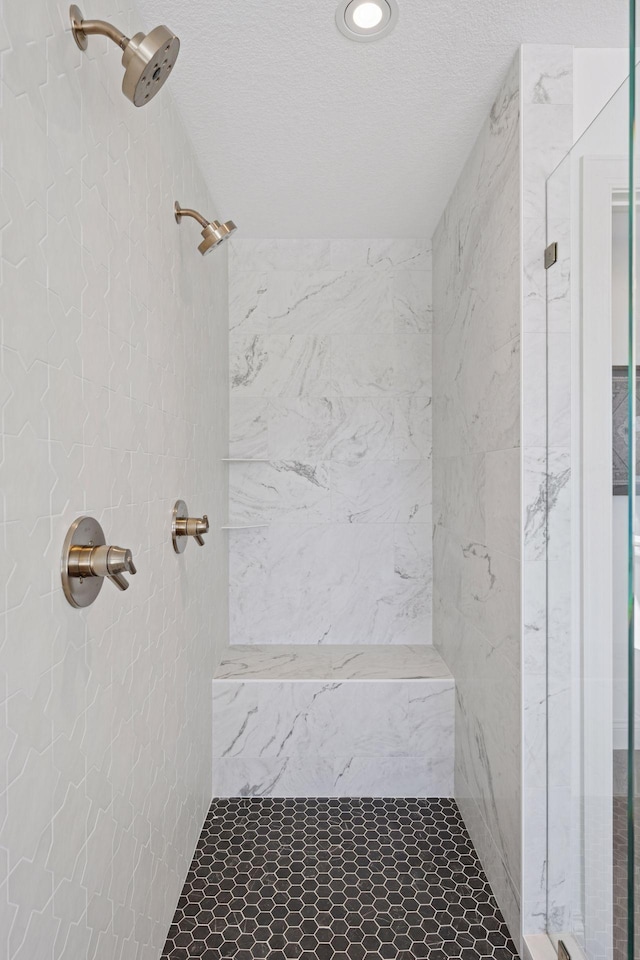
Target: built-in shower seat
296,721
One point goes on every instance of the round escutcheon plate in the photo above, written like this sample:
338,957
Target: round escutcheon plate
80,37
81,591
180,512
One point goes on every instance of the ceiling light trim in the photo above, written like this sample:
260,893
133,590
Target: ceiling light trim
347,26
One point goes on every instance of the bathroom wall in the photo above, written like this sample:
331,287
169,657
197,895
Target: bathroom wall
491,471
114,394
547,101
477,486
330,356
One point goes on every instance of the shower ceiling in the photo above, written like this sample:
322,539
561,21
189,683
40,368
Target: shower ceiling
303,133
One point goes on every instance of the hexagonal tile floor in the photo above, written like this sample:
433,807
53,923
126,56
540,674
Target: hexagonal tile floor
336,880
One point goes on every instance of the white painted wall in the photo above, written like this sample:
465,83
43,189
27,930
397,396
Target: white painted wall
114,398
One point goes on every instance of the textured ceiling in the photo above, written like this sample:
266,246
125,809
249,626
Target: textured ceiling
304,133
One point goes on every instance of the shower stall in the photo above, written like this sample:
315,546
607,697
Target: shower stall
589,556
387,653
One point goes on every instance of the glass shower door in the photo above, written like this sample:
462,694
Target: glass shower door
589,546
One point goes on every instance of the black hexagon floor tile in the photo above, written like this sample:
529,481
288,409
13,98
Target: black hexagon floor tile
338,879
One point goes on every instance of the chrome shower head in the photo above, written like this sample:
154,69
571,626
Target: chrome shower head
213,232
147,58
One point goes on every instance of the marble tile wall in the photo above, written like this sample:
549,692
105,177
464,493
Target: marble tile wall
547,136
495,477
477,486
330,357
343,662
333,738
113,402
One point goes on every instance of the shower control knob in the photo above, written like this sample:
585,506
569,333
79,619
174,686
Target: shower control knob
102,561
118,561
183,526
87,561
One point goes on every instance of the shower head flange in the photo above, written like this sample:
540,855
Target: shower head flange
147,58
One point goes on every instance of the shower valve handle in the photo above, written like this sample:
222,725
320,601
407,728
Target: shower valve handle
120,561
194,527
183,526
102,561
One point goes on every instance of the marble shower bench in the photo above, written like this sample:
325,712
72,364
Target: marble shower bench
298,721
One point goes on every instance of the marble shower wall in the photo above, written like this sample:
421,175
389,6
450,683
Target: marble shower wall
333,738
330,354
547,136
113,402
493,537
476,486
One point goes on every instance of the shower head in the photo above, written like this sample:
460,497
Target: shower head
213,232
147,58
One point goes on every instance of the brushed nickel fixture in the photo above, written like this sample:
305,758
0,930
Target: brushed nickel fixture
147,58
213,232
87,560
183,526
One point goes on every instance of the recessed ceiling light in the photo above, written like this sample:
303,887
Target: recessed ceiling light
365,20
367,15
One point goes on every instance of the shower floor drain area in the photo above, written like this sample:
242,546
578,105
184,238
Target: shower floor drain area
336,880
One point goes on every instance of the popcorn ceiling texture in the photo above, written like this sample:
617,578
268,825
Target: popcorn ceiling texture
304,133
113,400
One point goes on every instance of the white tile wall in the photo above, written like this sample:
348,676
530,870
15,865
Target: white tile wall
114,396
477,515
333,738
492,533
547,110
331,383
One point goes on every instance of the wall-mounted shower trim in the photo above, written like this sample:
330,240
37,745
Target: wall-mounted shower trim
180,212
213,232
147,58
82,29
183,527
87,561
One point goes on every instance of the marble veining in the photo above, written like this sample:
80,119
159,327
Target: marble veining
330,355
279,490
546,438
366,583
338,736
476,441
288,662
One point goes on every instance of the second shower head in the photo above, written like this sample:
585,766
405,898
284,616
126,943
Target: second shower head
213,232
147,58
